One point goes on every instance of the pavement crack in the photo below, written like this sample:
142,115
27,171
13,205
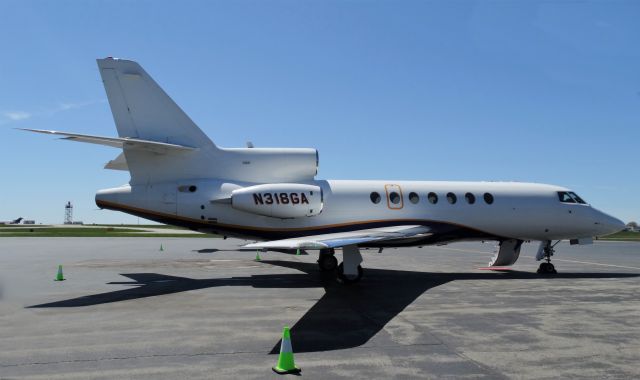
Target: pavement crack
130,357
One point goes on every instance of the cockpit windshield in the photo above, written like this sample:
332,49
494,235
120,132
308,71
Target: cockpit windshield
570,197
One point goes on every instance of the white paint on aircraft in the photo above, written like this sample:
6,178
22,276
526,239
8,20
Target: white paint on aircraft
179,176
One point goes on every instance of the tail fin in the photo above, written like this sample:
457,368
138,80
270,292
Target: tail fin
141,109
146,116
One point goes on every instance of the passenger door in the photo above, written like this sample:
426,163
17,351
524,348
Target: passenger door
395,200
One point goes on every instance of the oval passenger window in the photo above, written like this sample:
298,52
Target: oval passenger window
471,199
488,198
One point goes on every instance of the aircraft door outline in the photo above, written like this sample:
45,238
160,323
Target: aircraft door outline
395,199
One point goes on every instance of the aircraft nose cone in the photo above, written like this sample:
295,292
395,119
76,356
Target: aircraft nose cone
607,224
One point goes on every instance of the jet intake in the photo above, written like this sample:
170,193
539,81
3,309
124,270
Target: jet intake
281,200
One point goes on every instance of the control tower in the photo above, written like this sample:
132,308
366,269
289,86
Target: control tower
68,213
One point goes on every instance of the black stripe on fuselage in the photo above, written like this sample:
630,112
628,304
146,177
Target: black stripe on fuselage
440,232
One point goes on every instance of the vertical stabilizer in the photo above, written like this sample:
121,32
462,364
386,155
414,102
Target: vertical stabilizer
141,109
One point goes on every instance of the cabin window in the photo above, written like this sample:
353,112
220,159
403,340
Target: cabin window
414,198
375,197
433,198
394,197
471,199
488,198
185,188
451,198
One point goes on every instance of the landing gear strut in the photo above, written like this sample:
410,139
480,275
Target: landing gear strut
350,271
349,279
546,251
327,260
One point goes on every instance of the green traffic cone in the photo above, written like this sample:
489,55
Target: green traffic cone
298,252
59,276
286,363
257,255
161,248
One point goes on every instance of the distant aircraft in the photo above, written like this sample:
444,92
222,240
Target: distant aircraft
15,221
180,177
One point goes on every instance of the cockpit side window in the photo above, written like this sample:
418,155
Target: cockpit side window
565,197
570,197
577,198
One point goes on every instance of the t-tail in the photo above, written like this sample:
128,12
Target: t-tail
161,144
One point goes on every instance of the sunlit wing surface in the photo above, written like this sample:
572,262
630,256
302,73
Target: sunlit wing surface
342,239
118,142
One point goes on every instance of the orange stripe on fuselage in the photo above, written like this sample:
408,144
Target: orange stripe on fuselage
120,207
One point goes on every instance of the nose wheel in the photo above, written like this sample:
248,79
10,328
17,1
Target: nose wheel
547,268
548,251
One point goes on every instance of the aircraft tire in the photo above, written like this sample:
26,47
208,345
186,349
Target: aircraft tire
343,279
327,262
547,268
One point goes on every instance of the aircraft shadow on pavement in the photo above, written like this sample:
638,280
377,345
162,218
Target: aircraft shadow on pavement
344,317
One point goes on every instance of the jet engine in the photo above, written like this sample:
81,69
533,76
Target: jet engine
282,200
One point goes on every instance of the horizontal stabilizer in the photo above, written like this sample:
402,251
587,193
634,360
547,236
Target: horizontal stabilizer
119,142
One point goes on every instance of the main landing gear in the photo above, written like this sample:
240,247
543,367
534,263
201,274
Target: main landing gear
327,260
349,271
545,252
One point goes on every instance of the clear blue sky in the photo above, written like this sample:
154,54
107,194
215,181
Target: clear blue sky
511,90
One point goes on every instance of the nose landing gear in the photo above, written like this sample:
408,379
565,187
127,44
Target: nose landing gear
545,252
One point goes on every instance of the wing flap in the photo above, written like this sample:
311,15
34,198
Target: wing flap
342,239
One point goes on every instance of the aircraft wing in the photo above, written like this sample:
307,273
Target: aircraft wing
118,142
342,239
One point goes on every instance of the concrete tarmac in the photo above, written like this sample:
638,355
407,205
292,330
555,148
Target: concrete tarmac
202,309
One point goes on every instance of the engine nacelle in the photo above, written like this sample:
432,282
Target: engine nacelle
281,200
267,165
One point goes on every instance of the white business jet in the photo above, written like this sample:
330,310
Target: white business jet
270,195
